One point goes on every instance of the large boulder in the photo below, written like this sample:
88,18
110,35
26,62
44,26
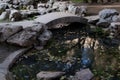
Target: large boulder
44,75
27,37
107,16
8,30
24,38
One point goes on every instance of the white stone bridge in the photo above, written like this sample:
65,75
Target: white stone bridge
54,18
51,19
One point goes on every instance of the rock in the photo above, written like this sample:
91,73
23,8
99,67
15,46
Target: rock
4,15
4,6
5,1
82,10
8,30
28,36
72,9
30,7
56,4
49,75
107,16
93,22
15,15
114,29
107,13
36,27
42,39
103,24
92,19
24,38
116,18
63,7
84,74
15,2
45,36
23,2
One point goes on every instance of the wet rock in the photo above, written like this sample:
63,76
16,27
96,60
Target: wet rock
8,30
84,74
45,36
15,15
49,75
24,38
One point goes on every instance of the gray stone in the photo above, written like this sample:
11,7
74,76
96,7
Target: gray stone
63,7
72,9
4,6
56,4
45,36
15,15
103,24
83,10
23,2
108,15
84,74
114,29
15,2
36,27
24,38
42,39
49,75
8,30
2,76
4,15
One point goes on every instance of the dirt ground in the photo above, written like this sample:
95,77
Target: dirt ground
93,9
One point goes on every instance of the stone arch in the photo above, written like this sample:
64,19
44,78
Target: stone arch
54,18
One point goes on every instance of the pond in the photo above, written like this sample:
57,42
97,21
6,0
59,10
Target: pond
64,51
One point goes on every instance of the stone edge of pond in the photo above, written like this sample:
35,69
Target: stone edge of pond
5,74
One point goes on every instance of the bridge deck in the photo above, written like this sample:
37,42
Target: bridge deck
53,16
